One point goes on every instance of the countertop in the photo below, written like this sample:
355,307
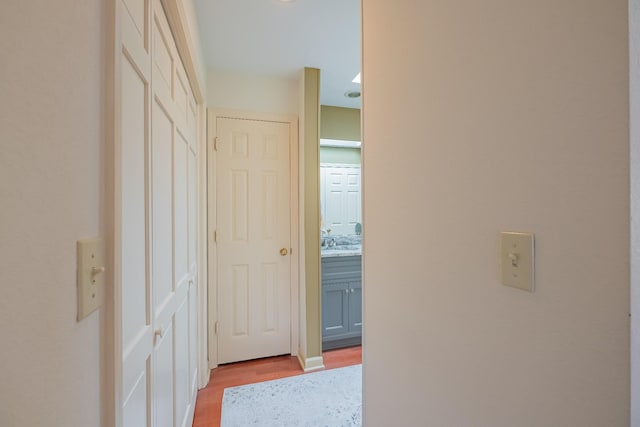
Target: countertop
337,251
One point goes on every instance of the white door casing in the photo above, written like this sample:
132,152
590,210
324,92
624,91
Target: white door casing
155,298
255,207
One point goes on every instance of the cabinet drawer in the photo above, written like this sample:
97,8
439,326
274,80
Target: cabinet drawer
341,267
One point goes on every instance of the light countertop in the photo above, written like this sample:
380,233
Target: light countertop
339,252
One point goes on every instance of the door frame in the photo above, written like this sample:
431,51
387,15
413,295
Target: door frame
212,291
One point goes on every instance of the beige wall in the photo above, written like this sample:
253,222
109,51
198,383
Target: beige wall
52,190
634,30
510,116
351,156
342,124
339,123
302,302
311,229
252,92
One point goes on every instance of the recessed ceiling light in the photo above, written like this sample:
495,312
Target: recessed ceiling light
352,94
356,79
286,1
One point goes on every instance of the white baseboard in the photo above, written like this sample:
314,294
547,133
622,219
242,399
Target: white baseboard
310,363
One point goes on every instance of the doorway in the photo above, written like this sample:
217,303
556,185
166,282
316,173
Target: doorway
253,235
340,227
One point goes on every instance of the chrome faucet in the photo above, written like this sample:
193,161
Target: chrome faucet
326,239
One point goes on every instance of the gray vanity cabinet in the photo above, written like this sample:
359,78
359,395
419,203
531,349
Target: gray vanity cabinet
355,308
341,301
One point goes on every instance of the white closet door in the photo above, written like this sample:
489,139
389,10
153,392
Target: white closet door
156,232
133,309
192,189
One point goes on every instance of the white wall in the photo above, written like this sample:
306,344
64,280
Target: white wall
634,31
508,115
51,192
252,92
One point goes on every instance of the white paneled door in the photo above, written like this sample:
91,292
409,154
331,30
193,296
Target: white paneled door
340,198
253,239
156,158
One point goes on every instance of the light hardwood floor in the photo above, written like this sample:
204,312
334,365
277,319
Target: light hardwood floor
209,402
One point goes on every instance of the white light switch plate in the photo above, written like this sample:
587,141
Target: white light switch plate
516,260
90,276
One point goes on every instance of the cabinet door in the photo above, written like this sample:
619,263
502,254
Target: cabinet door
335,305
355,306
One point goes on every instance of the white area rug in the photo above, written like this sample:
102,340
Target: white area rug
331,398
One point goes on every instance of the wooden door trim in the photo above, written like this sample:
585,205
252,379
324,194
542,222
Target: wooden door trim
292,121
178,18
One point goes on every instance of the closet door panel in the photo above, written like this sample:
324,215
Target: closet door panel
183,395
132,305
156,223
192,213
193,337
161,214
181,205
163,385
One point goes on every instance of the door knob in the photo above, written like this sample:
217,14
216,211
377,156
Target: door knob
159,333
284,251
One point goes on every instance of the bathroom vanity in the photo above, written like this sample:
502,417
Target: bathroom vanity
341,296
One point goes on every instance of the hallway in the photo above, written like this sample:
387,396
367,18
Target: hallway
208,404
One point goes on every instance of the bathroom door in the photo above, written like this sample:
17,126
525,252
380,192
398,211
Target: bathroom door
340,197
253,239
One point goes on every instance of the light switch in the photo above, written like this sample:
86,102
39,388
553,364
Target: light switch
516,260
91,272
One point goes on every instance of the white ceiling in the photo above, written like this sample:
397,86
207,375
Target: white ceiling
279,39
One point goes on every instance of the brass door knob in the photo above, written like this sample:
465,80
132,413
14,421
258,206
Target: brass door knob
284,251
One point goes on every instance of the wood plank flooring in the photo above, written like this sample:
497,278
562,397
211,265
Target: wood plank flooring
209,401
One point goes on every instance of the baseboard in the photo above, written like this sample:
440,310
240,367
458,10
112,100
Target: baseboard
341,343
313,363
310,363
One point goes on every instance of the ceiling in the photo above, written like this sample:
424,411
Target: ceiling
274,38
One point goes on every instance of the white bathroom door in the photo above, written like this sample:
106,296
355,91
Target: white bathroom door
253,239
341,198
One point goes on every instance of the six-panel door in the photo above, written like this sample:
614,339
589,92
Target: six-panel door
253,238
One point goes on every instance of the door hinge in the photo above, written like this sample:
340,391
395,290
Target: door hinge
215,328
216,140
215,236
